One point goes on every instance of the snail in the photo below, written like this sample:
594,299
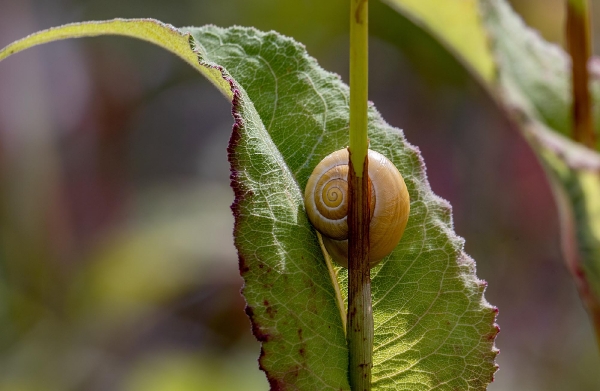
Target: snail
326,203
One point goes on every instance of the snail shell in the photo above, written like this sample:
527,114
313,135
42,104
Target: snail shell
326,202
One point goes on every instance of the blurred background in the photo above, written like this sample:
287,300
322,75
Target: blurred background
117,265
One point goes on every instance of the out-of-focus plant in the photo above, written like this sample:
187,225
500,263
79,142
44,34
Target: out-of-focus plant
549,97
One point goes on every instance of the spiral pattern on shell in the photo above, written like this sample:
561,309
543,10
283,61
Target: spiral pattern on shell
326,202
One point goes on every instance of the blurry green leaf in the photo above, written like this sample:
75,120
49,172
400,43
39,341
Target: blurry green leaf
575,175
433,328
457,24
535,83
534,74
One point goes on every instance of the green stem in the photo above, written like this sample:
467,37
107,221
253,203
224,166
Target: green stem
579,46
360,314
359,81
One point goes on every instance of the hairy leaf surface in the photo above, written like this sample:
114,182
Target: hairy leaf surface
433,327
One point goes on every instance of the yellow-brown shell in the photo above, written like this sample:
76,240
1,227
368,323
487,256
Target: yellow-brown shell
326,202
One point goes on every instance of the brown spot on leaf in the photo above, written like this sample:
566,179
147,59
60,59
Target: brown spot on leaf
271,311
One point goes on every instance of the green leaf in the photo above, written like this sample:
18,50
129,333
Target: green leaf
457,24
158,33
427,302
534,74
575,175
433,327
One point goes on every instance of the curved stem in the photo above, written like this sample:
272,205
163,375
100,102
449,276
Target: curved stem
333,275
360,314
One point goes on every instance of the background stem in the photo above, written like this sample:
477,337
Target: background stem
360,314
579,46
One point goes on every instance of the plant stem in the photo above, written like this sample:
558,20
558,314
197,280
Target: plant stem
359,81
360,314
579,46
